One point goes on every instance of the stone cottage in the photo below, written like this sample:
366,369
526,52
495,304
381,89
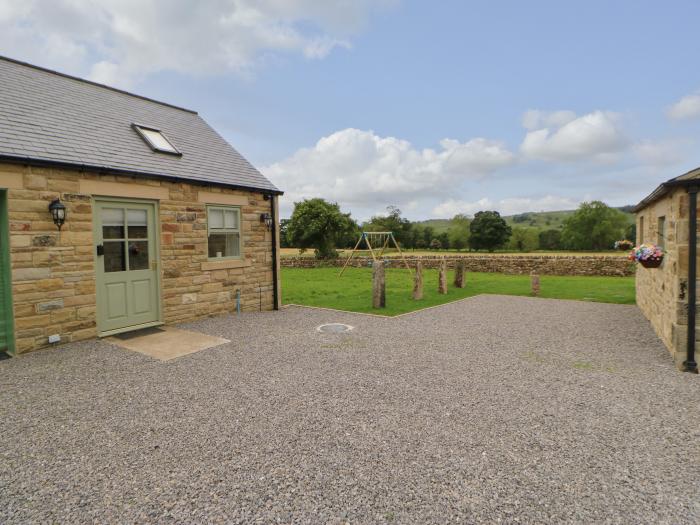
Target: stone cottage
667,294
118,212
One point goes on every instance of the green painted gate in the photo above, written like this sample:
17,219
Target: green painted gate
6,317
128,294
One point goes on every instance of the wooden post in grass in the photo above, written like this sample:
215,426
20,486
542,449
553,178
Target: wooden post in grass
442,277
418,282
460,270
535,284
378,285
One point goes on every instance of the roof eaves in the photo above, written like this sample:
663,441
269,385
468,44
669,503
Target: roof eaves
662,189
33,161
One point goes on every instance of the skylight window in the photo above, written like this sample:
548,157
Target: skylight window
156,140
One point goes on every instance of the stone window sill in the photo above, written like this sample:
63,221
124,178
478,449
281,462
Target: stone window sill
225,264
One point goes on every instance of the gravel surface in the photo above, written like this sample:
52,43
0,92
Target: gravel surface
490,409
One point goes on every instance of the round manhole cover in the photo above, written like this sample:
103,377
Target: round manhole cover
334,328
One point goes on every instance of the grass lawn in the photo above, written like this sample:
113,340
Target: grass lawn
322,287
294,252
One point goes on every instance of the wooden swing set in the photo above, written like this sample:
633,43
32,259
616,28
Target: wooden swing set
373,240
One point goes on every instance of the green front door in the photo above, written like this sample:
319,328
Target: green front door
127,255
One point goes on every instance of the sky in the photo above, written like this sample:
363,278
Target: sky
438,108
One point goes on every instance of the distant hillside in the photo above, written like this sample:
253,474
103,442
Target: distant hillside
536,219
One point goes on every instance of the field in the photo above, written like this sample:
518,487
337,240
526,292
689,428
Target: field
323,288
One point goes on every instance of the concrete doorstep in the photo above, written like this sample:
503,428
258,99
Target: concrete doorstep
165,343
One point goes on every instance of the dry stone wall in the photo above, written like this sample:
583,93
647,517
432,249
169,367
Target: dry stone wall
596,265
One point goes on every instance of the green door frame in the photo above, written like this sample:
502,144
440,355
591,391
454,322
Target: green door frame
5,264
156,244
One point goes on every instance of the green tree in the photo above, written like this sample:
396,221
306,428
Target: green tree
319,224
284,243
523,240
522,217
631,233
416,237
594,226
488,231
435,244
459,232
550,240
444,239
391,222
428,234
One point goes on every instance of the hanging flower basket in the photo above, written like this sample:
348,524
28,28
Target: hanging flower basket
648,255
624,245
652,263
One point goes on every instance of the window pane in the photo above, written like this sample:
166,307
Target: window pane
112,223
233,245
138,255
216,218
158,140
136,221
224,245
231,219
114,256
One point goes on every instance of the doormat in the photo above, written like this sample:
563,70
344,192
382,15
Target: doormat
166,343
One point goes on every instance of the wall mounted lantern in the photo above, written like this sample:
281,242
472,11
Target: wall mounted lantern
58,212
267,219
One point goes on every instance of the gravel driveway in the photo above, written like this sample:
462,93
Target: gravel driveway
493,408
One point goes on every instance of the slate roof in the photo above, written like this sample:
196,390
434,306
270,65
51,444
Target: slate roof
51,118
687,179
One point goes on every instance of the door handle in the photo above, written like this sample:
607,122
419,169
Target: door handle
100,249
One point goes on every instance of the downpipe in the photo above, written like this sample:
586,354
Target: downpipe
275,284
690,365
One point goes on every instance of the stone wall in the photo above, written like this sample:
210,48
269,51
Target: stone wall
661,292
53,274
609,265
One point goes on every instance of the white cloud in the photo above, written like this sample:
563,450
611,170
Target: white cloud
686,108
119,40
509,206
662,153
596,136
536,119
365,171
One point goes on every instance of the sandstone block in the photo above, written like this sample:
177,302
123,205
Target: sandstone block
418,282
47,306
442,277
35,182
30,274
378,285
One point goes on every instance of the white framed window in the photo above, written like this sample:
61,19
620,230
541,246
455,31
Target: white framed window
224,232
156,139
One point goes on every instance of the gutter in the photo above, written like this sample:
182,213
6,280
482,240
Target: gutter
104,170
275,283
690,365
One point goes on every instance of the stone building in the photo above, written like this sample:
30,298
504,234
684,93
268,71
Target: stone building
668,218
163,220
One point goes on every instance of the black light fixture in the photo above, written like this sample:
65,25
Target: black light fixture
58,212
267,219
